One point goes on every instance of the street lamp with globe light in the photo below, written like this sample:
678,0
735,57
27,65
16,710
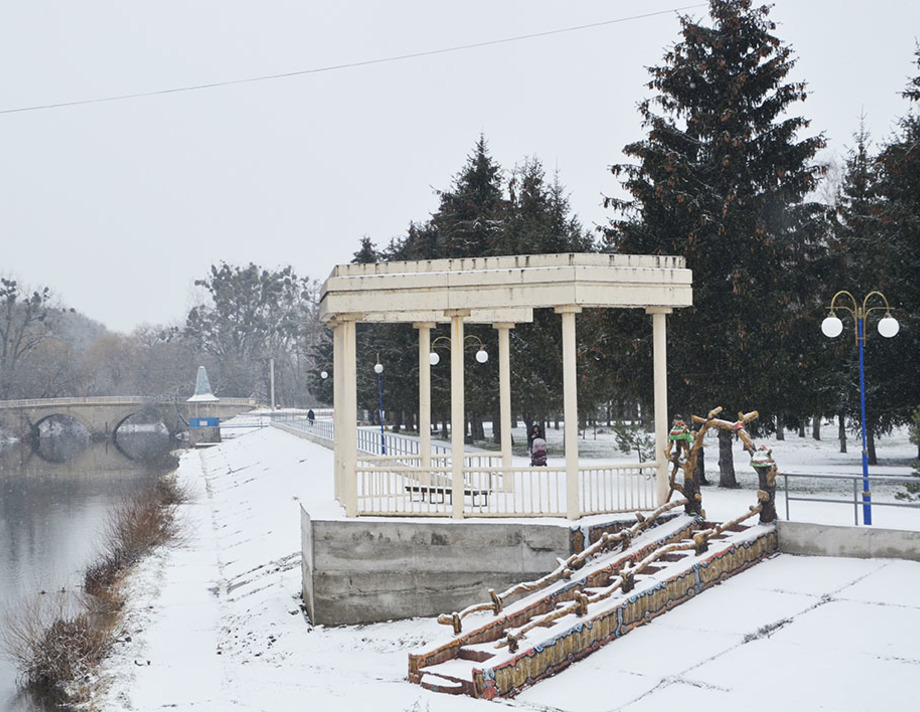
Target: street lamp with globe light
378,369
481,355
888,327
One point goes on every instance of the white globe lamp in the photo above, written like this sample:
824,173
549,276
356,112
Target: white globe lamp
831,326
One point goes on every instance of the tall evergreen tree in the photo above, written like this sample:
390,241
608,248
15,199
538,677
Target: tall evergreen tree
895,261
538,217
468,221
539,221
721,179
856,262
479,215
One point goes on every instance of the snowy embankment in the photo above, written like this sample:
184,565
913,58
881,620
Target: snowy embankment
216,622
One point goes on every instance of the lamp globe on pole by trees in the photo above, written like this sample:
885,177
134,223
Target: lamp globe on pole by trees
888,327
482,356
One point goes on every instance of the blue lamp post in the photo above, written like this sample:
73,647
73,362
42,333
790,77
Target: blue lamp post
378,369
887,326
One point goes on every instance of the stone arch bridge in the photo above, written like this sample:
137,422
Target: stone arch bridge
103,415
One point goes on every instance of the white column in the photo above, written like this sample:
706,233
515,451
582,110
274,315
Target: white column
457,409
338,409
349,418
424,400
660,369
570,410
504,397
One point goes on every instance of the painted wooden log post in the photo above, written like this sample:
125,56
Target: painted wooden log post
762,462
682,454
685,446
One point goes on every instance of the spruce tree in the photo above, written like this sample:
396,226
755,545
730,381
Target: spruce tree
367,254
480,215
469,218
854,254
894,257
538,216
721,178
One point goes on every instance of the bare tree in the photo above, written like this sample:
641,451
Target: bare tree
22,329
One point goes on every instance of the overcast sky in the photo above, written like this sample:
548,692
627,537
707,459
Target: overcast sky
120,205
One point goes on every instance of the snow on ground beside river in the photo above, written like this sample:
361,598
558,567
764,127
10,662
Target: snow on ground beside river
215,623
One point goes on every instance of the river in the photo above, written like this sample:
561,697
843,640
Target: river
53,505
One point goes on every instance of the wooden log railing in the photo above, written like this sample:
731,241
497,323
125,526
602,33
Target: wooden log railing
624,580
606,542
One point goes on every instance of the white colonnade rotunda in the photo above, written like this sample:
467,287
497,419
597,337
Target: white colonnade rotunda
501,292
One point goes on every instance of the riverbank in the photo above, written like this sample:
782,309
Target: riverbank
217,623
52,519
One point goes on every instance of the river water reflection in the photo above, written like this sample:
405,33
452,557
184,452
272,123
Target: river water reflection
51,514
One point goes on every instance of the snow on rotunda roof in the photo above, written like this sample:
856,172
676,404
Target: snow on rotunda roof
203,388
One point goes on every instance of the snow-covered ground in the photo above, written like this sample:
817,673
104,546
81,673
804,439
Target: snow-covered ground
215,623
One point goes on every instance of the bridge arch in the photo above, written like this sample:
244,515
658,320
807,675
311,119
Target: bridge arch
98,413
60,449
147,410
36,426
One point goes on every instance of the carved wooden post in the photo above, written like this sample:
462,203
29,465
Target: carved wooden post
679,442
762,462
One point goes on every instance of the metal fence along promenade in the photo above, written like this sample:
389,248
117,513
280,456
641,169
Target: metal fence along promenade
399,483
857,500
369,438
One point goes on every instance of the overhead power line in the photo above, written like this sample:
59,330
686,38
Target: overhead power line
338,67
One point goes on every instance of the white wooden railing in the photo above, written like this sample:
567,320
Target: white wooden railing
397,486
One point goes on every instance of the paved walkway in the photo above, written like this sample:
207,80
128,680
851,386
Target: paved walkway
793,633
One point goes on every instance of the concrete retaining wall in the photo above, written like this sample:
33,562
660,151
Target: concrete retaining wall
856,542
359,571
369,570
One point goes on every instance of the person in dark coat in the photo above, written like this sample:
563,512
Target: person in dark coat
537,446
534,432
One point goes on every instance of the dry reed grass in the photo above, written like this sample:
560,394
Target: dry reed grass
57,641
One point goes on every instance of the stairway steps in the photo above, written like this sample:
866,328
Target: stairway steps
436,683
484,665
477,653
454,677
